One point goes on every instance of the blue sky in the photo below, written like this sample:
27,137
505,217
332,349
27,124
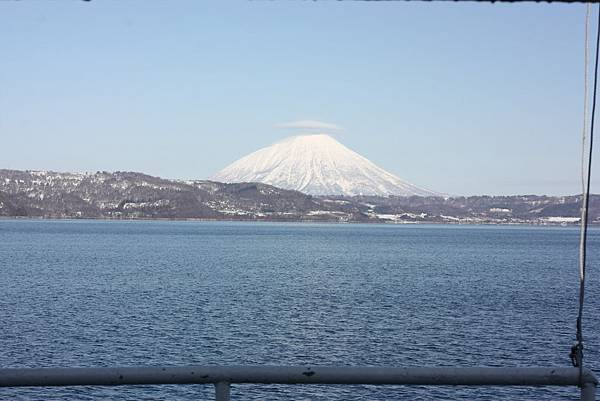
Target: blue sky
459,98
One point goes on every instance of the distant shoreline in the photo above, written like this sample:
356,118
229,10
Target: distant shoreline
337,222
137,196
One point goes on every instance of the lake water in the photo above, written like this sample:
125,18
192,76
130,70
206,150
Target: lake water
102,293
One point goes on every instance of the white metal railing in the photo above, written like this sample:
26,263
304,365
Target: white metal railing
223,376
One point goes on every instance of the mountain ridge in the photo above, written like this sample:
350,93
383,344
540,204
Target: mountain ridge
131,195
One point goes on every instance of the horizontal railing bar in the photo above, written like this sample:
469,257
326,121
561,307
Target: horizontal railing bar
471,376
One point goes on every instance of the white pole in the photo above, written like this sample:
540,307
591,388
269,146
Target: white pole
588,392
223,391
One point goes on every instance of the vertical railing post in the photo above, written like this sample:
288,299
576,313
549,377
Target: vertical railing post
223,390
588,392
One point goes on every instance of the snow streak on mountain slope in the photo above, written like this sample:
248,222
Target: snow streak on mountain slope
317,165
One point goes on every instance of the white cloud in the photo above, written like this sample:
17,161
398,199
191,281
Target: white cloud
311,125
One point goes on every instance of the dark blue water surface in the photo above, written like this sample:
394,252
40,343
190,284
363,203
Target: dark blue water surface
102,293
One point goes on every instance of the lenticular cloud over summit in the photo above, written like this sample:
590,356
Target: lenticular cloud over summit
317,165
310,126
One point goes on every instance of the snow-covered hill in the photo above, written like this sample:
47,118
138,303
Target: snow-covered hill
130,195
317,165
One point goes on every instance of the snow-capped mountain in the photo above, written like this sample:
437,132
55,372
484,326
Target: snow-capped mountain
317,165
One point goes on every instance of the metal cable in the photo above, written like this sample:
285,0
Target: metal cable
577,350
586,65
